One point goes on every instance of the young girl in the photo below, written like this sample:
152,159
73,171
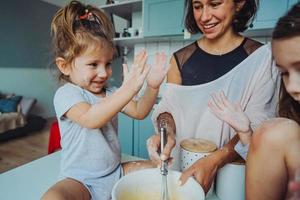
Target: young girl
87,108
273,159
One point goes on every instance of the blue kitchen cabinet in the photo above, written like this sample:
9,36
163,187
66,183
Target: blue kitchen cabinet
163,17
292,2
143,129
133,135
125,133
269,12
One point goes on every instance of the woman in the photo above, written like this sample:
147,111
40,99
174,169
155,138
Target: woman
221,59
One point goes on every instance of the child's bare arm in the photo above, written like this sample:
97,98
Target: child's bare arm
232,114
96,115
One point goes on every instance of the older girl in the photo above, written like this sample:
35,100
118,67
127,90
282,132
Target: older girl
273,159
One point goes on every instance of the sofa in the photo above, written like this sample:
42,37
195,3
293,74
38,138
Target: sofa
15,117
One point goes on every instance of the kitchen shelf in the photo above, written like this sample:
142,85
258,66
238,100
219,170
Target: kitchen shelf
124,9
131,41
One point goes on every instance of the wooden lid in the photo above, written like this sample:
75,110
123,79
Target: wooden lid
239,161
198,145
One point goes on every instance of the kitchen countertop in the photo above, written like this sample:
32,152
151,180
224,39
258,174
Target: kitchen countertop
30,181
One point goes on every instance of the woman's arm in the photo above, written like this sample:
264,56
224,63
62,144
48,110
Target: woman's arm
174,75
204,170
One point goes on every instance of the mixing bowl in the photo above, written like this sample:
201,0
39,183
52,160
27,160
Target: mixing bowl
146,185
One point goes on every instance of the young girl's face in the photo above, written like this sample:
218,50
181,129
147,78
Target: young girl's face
92,69
286,54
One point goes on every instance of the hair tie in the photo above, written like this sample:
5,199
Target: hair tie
86,15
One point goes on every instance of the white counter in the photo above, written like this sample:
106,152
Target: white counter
32,180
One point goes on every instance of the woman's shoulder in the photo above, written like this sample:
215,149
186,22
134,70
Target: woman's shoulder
187,48
251,45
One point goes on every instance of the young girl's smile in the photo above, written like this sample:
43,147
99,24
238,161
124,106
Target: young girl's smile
92,69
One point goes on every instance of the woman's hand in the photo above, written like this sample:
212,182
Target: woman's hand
229,112
204,171
135,78
158,71
153,146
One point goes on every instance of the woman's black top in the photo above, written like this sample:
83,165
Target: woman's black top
198,67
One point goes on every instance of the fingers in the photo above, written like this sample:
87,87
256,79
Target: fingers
145,72
161,60
125,71
140,61
212,105
152,146
185,176
218,101
171,142
224,99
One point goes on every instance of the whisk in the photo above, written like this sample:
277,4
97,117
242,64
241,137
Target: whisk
164,166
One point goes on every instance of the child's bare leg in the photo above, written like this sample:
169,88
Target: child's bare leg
67,189
137,165
272,160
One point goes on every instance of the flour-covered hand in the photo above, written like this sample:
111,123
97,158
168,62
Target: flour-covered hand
135,77
158,71
229,112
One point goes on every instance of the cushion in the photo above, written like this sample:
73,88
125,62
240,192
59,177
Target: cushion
27,104
10,104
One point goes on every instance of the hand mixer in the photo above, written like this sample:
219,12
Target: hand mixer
164,166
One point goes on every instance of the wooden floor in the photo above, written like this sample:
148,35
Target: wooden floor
19,151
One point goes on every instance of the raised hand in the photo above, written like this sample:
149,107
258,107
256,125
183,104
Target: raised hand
158,71
138,72
229,112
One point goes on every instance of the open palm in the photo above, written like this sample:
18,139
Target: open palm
136,76
158,71
229,112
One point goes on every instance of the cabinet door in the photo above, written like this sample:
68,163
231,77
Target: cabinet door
269,12
292,2
163,17
143,130
125,133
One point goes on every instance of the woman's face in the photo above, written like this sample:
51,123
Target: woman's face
214,17
286,53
